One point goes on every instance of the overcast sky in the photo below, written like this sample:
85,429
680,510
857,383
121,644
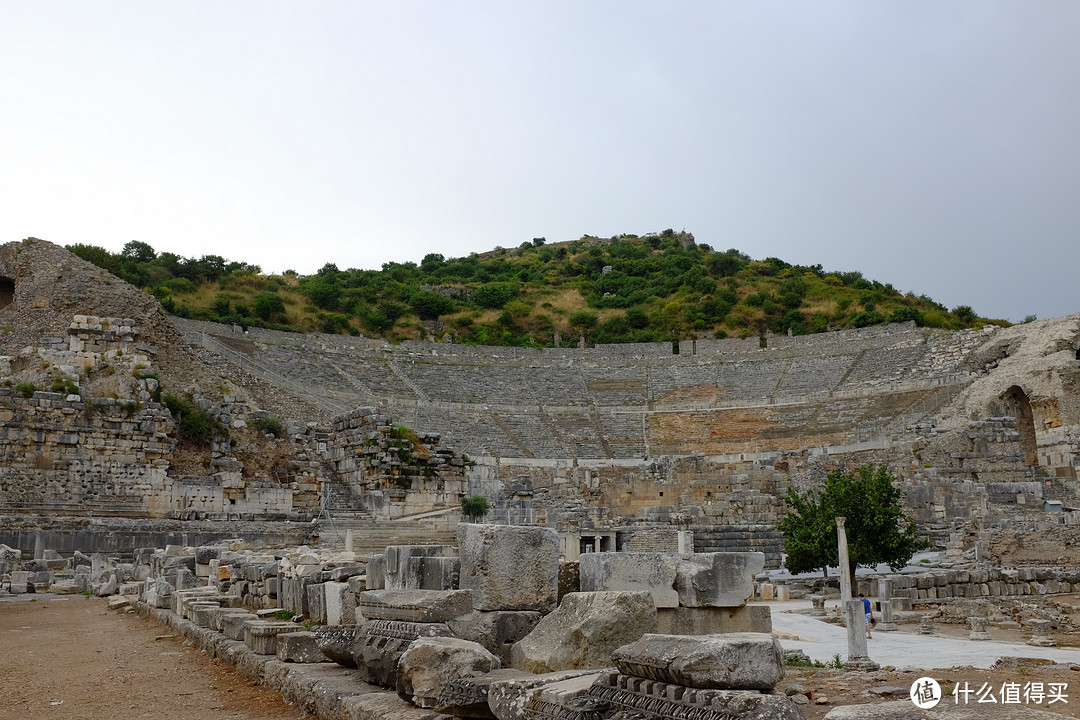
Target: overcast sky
932,145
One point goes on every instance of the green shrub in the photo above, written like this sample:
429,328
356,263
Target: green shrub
65,386
26,389
270,425
193,423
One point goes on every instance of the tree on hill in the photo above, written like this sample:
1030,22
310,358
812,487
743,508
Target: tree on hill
878,531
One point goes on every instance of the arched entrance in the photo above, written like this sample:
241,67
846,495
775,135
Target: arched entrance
1016,404
7,291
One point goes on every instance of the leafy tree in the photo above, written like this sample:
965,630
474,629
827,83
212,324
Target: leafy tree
267,304
903,314
494,295
429,305
475,507
964,314
138,251
878,531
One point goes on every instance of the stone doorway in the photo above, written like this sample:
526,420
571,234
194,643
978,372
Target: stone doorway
7,291
1015,403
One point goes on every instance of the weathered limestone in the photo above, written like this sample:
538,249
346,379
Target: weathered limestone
713,620
337,643
654,573
299,647
978,628
261,635
468,696
380,644
1040,634
584,631
509,567
926,625
406,570
497,630
818,602
509,698
742,661
429,665
233,625
855,619
424,606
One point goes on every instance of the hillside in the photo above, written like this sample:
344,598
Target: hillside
657,287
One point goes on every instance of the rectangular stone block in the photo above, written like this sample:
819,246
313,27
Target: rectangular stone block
433,573
261,635
233,625
299,647
738,661
316,603
217,616
334,602
721,579
423,606
654,573
401,573
509,567
20,581
713,621
376,573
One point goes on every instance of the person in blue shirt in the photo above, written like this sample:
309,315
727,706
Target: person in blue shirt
866,611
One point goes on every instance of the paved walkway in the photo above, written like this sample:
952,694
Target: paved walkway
904,650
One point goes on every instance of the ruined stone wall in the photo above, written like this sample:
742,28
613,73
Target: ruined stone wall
392,471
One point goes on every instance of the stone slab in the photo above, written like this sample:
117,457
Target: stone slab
509,567
738,661
415,605
654,573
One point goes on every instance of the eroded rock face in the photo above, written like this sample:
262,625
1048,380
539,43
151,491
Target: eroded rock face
651,572
737,661
509,567
584,631
336,643
430,665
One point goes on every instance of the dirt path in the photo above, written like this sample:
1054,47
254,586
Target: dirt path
67,657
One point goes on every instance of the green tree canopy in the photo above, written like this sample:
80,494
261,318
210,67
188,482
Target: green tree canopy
878,531
475,507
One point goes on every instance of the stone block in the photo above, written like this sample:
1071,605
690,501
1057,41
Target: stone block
569,578
616,695
433,573
738,661
217,616
200,612
424,606
404,574
385,706
584,630
380,644
261,635
720,579
299,647
334,603
429,665
337,643
713,621
316,603
654,573
509,567
508,698
20,582
376,573
496,630
233,625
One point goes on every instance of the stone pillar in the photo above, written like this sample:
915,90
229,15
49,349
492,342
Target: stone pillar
1040,634
766,592
886,624
855,618
926,625
978,628
845,572
783,593
348,541
819,605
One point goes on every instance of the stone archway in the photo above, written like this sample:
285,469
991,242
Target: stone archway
7,291
1016,404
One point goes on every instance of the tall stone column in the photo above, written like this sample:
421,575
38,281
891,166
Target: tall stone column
885,596
855,618
845,571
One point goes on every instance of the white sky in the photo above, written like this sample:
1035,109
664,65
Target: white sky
933,145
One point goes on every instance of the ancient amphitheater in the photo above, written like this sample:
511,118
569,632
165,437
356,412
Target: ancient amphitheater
706,434
636,493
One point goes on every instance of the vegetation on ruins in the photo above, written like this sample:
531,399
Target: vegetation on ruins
475,507
270,425
627,288
192,422
878,531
